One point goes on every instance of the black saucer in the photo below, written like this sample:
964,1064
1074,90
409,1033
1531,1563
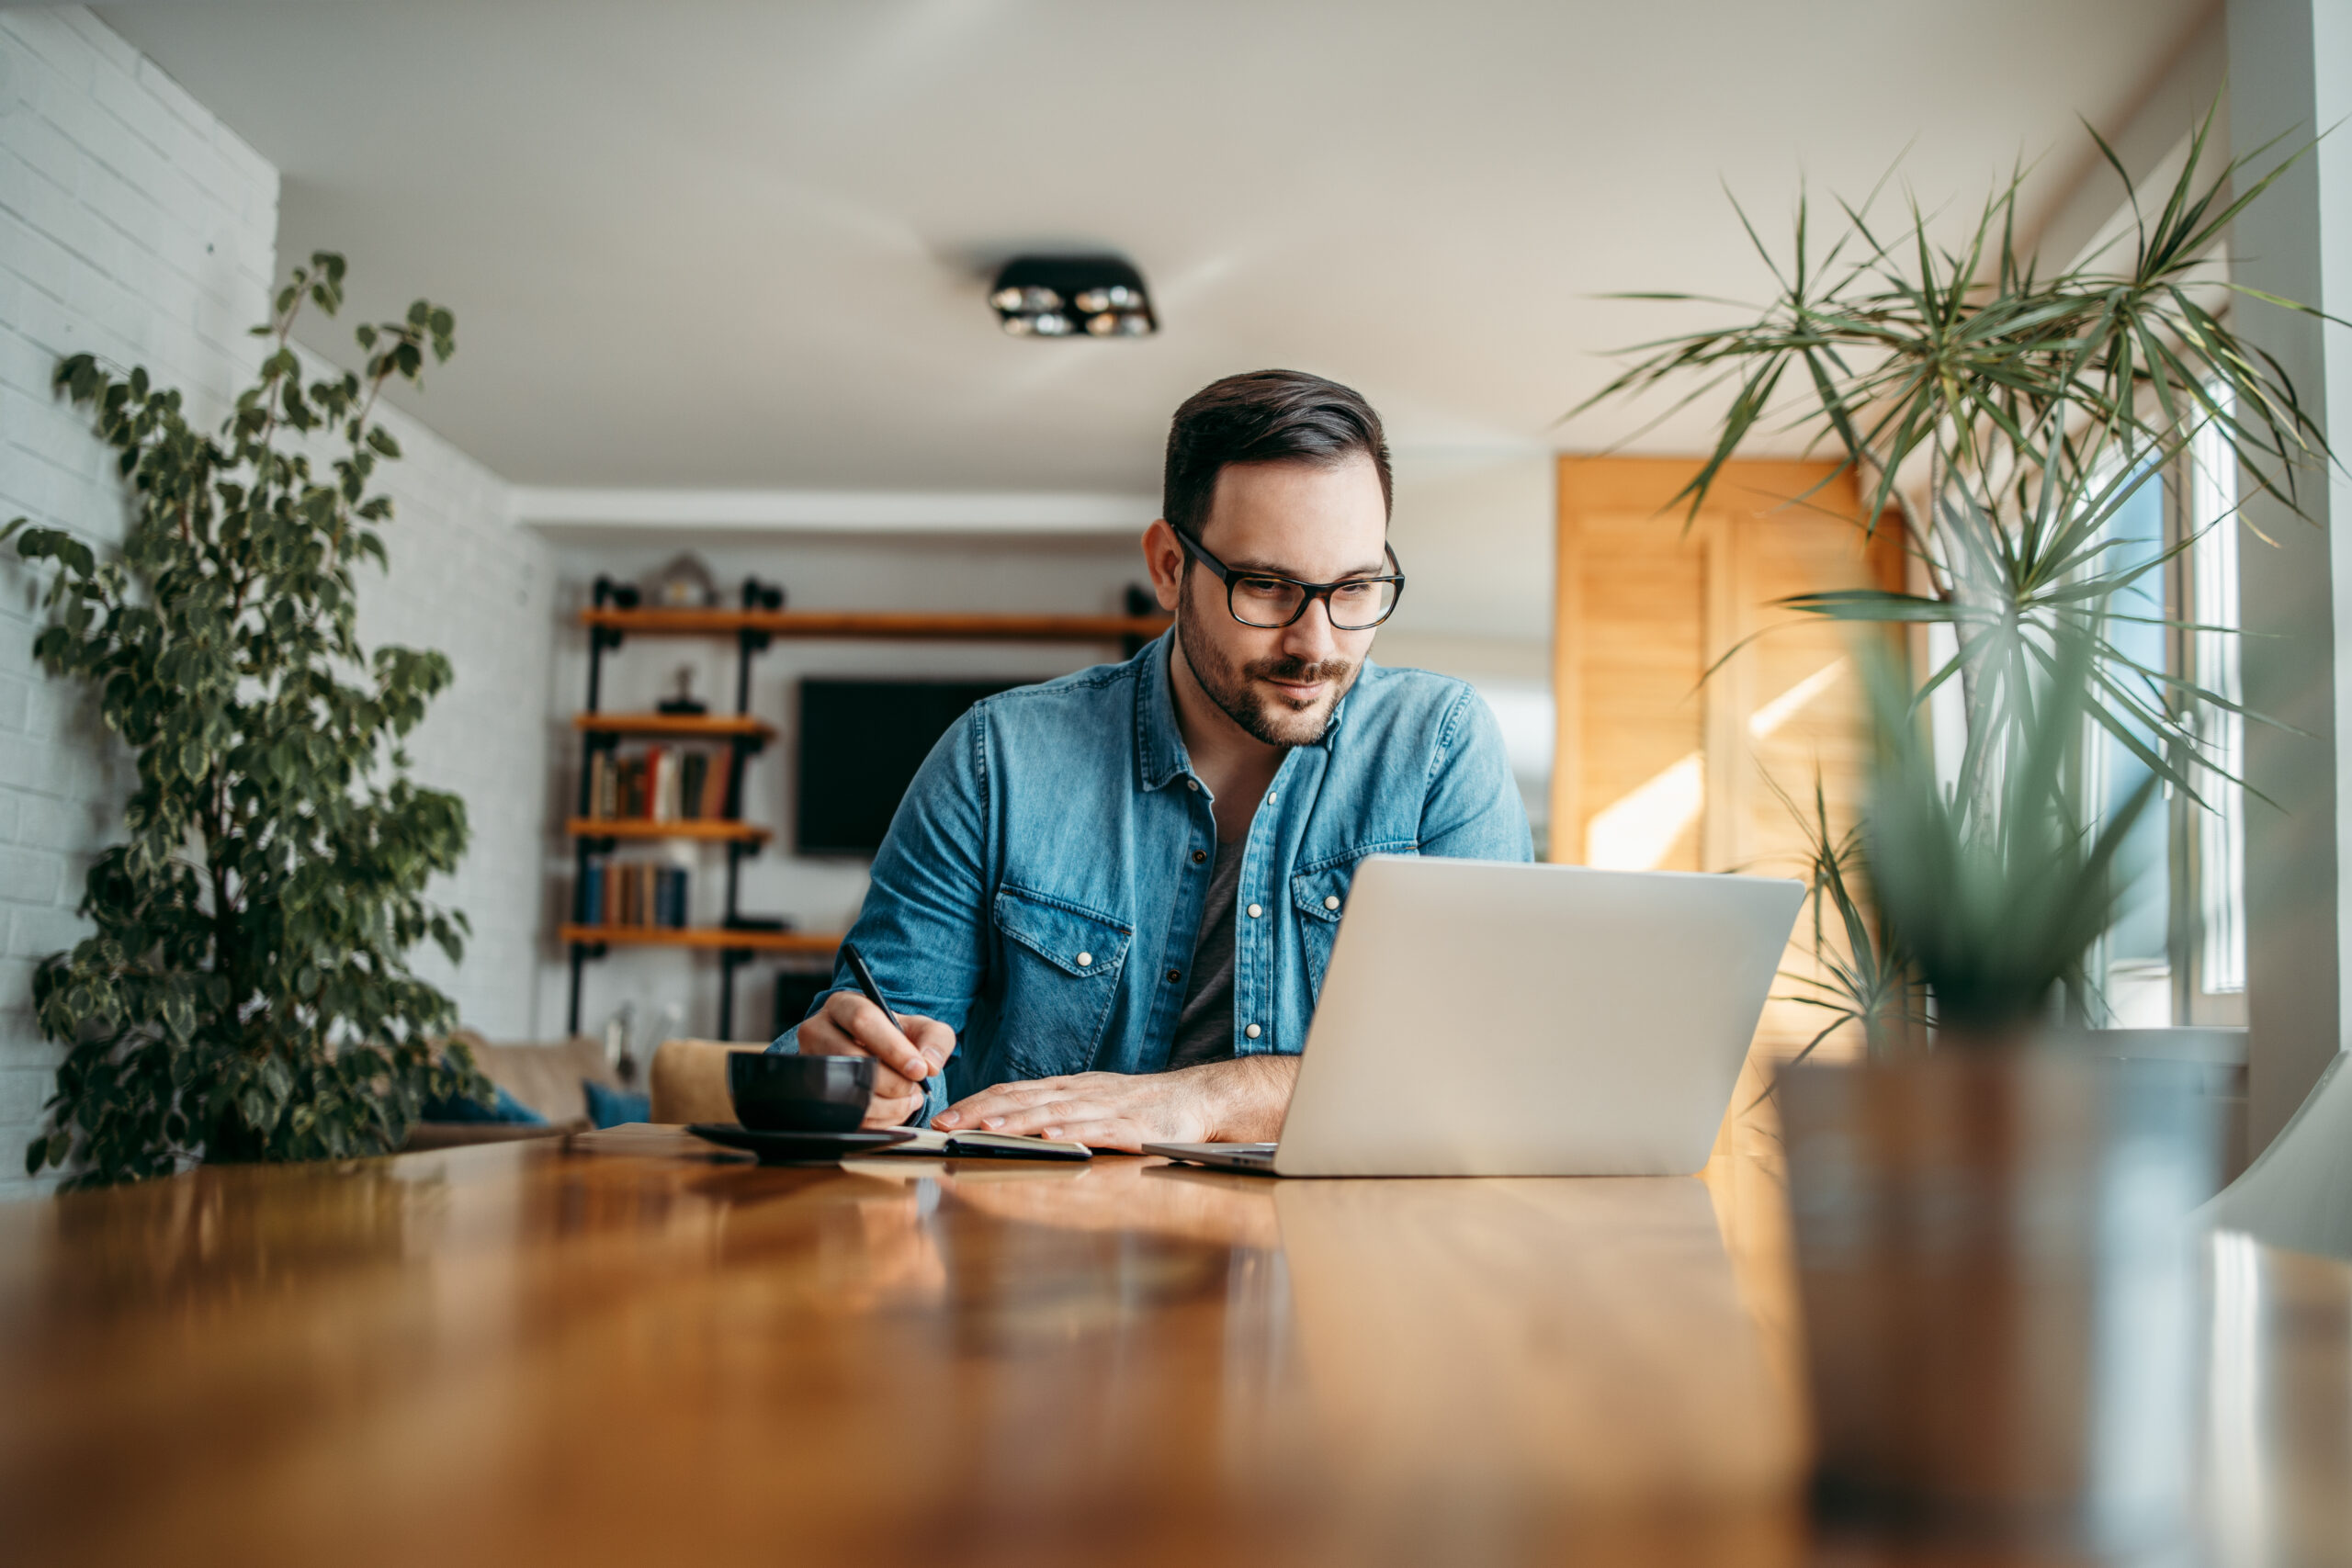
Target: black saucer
797,1148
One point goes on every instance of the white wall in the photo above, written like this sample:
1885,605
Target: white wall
134,225
2290,70
1475,529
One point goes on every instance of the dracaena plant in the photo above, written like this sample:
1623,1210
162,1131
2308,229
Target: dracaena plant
1974,884
2002,417
246,993
1991,884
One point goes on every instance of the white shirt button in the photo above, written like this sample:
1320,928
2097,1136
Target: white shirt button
1084,959
1255,911
1193,785
1252,1032
1269,797
1333,902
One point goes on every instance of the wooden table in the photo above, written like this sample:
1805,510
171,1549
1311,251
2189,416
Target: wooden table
523,1353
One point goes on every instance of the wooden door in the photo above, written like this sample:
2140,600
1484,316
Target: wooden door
1660,766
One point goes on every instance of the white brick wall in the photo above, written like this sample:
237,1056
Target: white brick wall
466,580
134,225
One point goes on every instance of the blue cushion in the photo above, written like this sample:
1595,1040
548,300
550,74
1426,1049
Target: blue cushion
611,1107
457,1108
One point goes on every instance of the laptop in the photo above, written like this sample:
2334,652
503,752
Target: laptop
1488,1019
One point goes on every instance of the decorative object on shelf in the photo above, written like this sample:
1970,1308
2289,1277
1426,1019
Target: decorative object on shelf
671,1024
620,1041
685,584
247,994
758,596
1072,295
683,701
1993,1146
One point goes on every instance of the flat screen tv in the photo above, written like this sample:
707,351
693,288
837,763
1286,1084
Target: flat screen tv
861,742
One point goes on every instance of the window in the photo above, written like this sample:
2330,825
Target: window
2131,966
2176,955
2216,992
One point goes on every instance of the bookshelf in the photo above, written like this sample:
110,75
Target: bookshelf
895,624
714,937
753,628
593,827
680,726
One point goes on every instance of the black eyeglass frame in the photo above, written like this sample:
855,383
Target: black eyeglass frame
1308,591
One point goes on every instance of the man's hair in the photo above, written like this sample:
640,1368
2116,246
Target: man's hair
1264,416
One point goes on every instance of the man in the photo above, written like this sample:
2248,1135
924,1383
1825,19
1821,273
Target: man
1104,909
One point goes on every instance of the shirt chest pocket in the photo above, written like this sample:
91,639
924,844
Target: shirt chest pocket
1061,978
1320,894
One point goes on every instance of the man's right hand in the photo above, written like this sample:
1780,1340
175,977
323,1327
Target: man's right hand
849,1025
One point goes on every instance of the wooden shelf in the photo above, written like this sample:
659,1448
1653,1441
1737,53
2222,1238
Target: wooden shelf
706,828
709,727
713,937
886,623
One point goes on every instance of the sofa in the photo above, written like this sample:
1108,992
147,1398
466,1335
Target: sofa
547,1079
689,1080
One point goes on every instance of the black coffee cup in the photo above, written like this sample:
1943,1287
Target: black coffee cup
775,1092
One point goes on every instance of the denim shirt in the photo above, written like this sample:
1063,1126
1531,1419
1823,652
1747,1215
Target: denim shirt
1040,888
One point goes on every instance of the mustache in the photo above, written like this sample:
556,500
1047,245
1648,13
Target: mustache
1298,669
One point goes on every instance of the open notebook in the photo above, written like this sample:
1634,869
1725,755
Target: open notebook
933,1145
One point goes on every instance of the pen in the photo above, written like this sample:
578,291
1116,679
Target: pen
865,978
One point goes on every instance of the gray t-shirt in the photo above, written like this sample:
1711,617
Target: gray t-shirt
1205,1026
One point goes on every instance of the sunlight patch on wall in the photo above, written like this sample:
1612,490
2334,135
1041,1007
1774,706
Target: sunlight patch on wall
1638,830
1789,703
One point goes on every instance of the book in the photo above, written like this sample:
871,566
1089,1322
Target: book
591,911
932,1143
694,771
715,788
664,769
600,785
670,896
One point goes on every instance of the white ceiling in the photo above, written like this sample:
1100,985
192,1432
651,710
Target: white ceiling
720,242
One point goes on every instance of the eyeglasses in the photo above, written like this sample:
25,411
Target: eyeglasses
1262,600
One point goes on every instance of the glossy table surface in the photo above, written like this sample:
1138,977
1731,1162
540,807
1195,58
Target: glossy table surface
636,1351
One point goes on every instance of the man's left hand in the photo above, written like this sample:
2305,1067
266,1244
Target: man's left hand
1237,1101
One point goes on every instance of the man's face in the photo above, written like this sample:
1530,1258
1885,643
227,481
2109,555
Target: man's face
1313,522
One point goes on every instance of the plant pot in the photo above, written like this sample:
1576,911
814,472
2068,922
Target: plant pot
1994,1266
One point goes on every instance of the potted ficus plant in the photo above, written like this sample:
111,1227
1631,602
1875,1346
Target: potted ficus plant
1986,1213
246,994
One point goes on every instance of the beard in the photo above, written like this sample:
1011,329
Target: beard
1266,715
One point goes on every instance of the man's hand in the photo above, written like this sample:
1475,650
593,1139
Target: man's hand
849,1025
1240,1102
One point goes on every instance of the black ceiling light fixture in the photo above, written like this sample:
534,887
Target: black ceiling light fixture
1094,296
